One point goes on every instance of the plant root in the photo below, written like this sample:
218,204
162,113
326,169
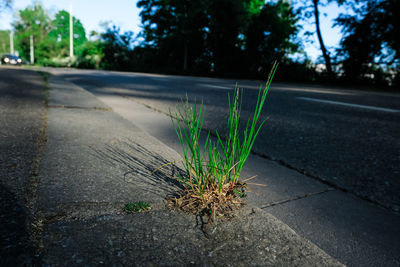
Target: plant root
213,202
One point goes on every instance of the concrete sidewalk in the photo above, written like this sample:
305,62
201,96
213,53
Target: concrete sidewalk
21,110
95,161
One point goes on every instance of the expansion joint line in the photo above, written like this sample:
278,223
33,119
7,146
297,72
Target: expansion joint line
34,222
78,107
295,198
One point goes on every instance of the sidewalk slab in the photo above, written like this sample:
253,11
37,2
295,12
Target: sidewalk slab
96,161
171,238
21,108
70,95
92,155
371,233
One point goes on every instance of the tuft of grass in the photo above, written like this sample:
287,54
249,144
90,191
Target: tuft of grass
140,206
213,171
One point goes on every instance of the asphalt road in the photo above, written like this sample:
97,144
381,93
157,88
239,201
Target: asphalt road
346,138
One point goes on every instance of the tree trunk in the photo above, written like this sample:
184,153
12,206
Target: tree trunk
185,55
321,42
185,38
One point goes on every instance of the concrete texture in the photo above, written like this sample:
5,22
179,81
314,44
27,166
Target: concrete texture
21,107
170,238
68,95
356,232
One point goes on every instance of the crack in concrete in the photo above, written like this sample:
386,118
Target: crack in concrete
89,210
280,202
78,107
34,224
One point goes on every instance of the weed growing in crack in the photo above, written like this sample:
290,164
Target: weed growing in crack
140,206
213,170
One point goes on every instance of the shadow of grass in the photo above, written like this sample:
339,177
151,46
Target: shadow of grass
145,168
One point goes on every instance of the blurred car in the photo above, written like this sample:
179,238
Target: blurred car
10,59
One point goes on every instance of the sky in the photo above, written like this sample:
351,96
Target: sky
125,14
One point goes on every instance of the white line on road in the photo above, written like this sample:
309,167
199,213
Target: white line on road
312,90
348,104
214,86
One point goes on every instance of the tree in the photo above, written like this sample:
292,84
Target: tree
371,42
5,4
60,33
206,35
4,42
228,20
321,41
33,20
269,36
89,55
175,31
116,49
51,37
5,35
251,34
311,8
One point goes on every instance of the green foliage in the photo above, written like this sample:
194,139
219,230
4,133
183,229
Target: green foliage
33,20
263,36
89,55
227,22
175,31
140,206
51,37
223,37
59,62
369,50
219,163
371,44
112,49
254,7
60,33
116,49
4,42
5,4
